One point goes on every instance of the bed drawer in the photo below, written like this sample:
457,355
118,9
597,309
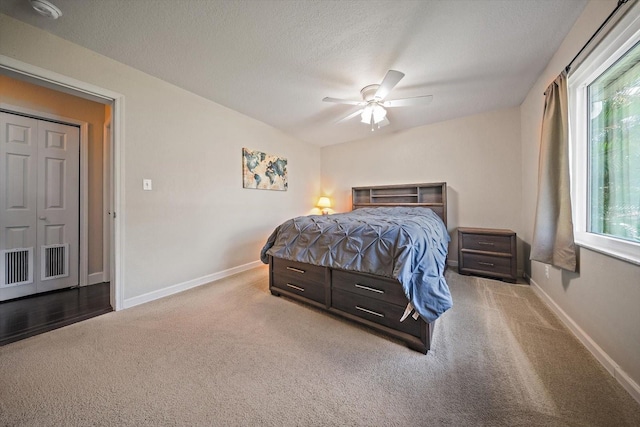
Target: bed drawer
486,264
300,286
373,287
375,310
306,272
485,242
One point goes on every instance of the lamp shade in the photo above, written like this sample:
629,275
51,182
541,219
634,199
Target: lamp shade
324,202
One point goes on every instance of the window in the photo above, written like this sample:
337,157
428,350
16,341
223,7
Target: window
604,110
614,149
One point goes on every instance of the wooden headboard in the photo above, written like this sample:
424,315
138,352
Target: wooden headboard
431,195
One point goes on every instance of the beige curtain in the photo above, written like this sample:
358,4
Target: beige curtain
553,234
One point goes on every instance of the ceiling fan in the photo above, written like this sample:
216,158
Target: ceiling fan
373,102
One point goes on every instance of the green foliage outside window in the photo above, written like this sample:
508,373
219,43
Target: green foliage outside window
614,150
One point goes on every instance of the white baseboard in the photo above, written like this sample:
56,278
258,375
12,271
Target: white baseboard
609,364
95,278
174,289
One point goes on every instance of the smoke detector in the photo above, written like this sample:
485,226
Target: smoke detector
45,8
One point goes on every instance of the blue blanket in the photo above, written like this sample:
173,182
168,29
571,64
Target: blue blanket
403,243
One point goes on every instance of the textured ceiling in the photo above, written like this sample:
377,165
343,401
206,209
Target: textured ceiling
275,60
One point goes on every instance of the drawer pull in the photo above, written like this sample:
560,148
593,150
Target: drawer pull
295,287
486,243
367,288
488,264
369,311
297,270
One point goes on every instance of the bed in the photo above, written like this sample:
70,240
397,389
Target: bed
380,265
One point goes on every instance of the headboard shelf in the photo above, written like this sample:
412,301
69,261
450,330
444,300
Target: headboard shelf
431,195
380,196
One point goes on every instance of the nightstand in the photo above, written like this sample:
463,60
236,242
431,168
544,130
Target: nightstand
487,252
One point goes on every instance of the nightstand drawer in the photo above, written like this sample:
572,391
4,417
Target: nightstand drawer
487,242
493,265
372,287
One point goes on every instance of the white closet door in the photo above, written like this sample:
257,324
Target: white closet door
18,207
39,206
58,205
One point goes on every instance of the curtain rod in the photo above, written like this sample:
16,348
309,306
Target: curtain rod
606,21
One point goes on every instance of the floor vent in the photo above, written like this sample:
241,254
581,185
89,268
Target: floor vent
17,265
55,261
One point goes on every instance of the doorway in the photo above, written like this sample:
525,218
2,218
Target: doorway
114,114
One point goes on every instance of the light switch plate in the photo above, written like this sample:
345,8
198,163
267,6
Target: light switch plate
146,184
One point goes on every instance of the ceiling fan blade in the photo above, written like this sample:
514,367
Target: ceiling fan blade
350,116
408,102
389,82
343,101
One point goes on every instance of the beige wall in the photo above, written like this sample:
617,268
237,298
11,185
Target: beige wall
478,156
27,95
198,220
603,299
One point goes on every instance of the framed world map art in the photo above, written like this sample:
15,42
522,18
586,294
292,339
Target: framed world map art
263,171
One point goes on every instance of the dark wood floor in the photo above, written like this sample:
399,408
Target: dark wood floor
25,317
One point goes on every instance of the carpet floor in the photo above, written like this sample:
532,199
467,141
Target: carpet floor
231,354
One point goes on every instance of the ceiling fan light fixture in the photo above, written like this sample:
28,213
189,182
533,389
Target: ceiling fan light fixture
45,8
373,113
379,113
367,112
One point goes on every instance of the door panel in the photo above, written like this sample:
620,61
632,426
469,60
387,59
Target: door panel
54,173
17,178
